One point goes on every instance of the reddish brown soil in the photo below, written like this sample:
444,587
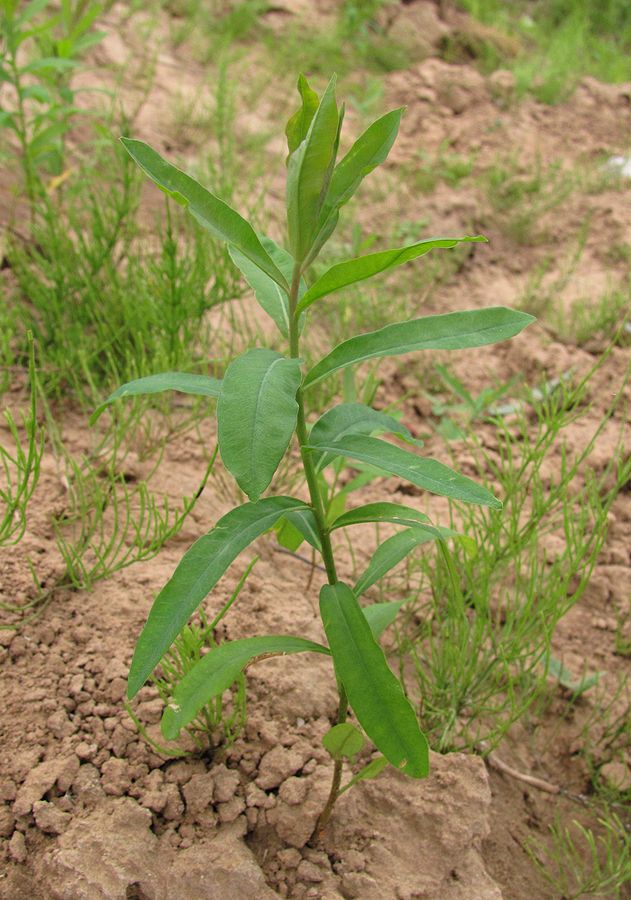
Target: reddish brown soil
88,810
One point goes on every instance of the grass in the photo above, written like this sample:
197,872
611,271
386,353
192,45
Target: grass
561,40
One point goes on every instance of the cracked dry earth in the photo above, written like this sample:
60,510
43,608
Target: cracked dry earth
88,810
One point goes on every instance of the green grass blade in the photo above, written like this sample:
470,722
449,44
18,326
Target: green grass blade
376,696
451,331
256,416
198,572
185,382
213,214
428,474
218,670
354,270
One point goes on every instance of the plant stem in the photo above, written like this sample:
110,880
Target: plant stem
323,531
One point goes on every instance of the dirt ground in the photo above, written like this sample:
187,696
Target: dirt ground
89,810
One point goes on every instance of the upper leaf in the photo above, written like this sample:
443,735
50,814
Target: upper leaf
351,418
256,416
368,152
374,693
309,170
353,270
218,669
216,216
451,331
380,615
198,572
428,474
201,385
298,125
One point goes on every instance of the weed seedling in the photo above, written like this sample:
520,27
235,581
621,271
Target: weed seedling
261,408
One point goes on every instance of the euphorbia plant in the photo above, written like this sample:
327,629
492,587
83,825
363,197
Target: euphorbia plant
261,408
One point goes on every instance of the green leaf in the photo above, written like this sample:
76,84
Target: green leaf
198,572
213,214
304,521
201,385
371,770
220,668
351,418
451,331
368,152
256,416
384,511
298,125
343,741
390,553
376,696
270,296
428,474
380,615
354,270
309,169
49,63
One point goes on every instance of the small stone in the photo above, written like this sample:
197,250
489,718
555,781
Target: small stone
277,765
182,770
308,871
150,711
39,781
7,821
115,777
86,751
254,796
17,847
226,783
293,791
8,789
87,785
174,806
50,819
198,794
289,858
231,810
60,725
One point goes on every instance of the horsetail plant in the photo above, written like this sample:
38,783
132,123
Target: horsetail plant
261,407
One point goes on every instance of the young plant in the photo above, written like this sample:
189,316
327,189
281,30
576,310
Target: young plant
261,408
44,102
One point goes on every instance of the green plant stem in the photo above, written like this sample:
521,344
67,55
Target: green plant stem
323,531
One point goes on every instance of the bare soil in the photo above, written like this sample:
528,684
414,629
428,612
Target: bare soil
89,810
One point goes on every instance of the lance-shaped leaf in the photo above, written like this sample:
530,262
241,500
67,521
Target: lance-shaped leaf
198,572
185,382
368,151
428,474
213,214
256,416
220,668
353,270
302,526
392,551
380,615
351,418
451,331
309,170
395,513
271,297
376,696
298,125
